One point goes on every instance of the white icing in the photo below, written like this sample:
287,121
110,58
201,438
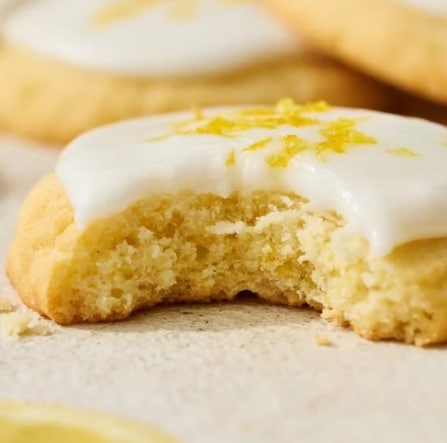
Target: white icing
390,199
218,37
431,6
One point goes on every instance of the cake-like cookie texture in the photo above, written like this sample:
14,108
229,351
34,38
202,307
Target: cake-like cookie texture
400,41
341,209
67,66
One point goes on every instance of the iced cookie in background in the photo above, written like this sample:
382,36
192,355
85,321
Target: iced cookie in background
403,42
69,65
342,209
34,423
410,105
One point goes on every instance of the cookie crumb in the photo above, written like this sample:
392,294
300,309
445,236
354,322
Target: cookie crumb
6,305
15,324
322,340
40,328
18,324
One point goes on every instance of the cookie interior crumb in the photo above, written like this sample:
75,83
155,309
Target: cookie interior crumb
202,247
19,323
322,340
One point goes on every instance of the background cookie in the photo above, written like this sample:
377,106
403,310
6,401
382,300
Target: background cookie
68,66
411,105
401,41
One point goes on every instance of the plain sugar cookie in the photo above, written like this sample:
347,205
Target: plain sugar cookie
342,209
68,65
403,42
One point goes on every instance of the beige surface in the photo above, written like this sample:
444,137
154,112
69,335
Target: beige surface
240,373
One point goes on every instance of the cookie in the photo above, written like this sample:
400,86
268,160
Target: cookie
22,422
411,105
400,41
69,65
341,209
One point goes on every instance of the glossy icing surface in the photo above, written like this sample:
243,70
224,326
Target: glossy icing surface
150,37
383,173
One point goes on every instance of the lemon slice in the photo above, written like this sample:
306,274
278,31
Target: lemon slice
33,423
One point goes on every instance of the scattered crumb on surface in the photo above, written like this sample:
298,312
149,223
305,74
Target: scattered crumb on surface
6,305
18,324
40,328
322,340
15,324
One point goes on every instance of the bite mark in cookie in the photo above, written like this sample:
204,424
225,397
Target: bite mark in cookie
341,209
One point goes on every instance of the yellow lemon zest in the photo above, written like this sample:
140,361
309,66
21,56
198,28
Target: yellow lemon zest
256,146
121,10
403,152
231,159
340,135
337,136
286,112
184,10
198,113
292,146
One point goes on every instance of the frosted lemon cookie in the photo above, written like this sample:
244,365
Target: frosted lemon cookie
35,423
70,65
400,41
342,209
411,105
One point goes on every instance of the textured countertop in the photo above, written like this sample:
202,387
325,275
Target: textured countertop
224,373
